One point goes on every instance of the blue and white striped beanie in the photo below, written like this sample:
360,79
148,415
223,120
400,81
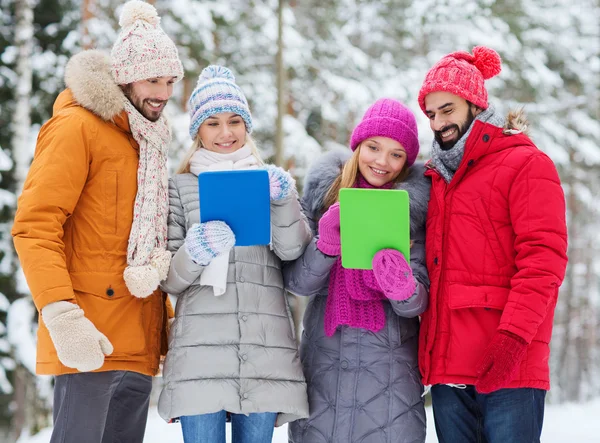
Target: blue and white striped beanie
216,92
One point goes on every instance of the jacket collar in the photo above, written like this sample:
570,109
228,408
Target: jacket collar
485,139
91,85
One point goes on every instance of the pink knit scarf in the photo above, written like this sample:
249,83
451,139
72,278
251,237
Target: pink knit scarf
354,297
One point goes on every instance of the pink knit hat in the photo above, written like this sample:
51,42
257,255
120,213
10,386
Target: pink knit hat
143,50
463,74
389,118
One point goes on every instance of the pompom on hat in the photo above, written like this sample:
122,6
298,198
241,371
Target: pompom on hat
389,118
463,74
217,92
143,50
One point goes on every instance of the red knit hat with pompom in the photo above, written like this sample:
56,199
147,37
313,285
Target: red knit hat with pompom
463,74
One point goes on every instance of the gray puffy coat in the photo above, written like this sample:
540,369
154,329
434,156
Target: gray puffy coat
236,352
362,386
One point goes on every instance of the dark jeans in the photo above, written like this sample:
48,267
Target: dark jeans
507,415
101,407
210,428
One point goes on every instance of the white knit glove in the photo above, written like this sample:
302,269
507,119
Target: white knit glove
205,241
78,343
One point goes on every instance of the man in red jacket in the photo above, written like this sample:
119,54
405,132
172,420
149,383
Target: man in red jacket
496,255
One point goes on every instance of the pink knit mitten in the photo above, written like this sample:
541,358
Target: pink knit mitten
329,241
394,275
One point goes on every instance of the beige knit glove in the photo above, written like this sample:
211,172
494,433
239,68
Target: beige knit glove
78,343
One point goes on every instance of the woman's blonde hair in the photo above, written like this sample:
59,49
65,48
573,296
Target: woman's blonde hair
348,177
184,166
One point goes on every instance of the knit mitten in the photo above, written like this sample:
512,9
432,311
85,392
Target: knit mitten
329,241
204,241
500,362
281,183
77,342
394,274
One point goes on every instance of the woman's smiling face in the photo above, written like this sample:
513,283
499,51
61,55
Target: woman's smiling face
381,160
223,133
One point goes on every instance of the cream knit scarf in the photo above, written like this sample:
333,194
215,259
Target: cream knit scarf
205,160
147,258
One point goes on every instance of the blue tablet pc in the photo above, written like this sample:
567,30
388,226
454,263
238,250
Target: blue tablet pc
241,199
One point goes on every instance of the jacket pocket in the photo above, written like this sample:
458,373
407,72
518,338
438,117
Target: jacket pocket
408,328
423,340
544,333
119,317
490,234
110,189
290,315
475,313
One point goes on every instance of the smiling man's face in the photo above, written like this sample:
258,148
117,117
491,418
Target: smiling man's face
450,117
150,96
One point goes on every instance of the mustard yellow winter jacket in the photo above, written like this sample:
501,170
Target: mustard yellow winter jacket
74,217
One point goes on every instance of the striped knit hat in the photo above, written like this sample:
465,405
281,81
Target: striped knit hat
217,92
143,50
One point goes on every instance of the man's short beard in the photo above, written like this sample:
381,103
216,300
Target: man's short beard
133,99
462,129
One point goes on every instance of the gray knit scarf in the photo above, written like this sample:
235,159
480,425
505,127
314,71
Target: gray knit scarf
447,162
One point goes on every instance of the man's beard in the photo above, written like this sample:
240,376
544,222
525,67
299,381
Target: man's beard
138,104
461,130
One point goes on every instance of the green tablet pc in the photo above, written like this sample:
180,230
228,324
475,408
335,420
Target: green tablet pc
371,220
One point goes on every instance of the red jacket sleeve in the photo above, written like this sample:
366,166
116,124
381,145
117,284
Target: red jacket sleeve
538,215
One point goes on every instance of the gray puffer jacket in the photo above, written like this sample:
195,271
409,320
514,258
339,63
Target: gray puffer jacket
362,386
236,352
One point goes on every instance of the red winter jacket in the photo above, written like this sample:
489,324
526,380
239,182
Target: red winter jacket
496,254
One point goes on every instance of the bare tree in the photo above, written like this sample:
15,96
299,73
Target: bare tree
281,105
21,122
575,341
87,13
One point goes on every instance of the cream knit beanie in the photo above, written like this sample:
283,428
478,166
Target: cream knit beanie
143,50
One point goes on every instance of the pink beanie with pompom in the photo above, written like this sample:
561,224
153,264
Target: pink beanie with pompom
389,118
463,74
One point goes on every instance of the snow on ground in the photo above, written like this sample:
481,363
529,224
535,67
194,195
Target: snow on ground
564,423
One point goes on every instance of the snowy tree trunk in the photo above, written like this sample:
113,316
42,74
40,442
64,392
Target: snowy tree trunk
575,342
30,411
22,117
32,393
280,87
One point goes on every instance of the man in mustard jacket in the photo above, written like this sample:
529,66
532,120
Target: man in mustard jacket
90,231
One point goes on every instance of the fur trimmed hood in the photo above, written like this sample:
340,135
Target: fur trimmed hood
325,170
88,76
516,122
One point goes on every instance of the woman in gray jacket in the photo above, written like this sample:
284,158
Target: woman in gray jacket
232,350
359,345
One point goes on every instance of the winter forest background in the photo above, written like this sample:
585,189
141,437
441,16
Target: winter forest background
338,56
